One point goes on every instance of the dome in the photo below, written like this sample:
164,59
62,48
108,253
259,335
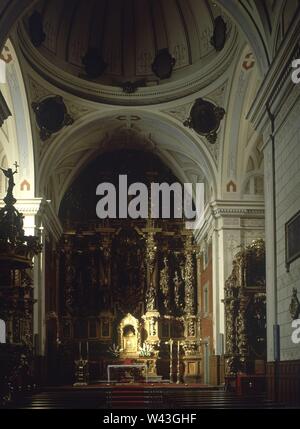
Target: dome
138,43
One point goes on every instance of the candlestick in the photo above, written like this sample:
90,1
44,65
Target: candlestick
80,350
178,362
171,360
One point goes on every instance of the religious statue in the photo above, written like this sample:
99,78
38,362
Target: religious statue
11,220
10,175
150,299
105,263
164,285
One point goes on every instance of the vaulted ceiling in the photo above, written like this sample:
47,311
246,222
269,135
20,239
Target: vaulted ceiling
127,34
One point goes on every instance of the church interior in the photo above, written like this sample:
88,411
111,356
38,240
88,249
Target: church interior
146,312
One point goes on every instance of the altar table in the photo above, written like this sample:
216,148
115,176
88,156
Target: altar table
126,366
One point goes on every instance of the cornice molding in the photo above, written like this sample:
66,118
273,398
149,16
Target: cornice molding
228,209
238,208
28,206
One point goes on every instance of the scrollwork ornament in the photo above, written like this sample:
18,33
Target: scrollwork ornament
189,278
150,251
165,284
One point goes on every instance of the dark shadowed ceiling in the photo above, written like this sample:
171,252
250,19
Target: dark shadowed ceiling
128,34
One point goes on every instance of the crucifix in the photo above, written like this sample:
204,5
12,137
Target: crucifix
170,343
16,166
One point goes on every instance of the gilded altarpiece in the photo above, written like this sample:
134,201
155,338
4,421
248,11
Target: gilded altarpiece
245,313
128,295
124,288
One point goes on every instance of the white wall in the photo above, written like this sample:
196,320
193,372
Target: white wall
287,163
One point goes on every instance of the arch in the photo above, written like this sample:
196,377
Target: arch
129,335
240,139
16,137
162,134
248,21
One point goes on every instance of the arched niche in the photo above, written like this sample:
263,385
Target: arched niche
129,336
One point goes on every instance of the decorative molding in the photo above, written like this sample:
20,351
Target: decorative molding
36,90
218,39
234,215
179,112
51,116
6,55
222,211
249,61
148,95
237,208
163,64
205,118
231,186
